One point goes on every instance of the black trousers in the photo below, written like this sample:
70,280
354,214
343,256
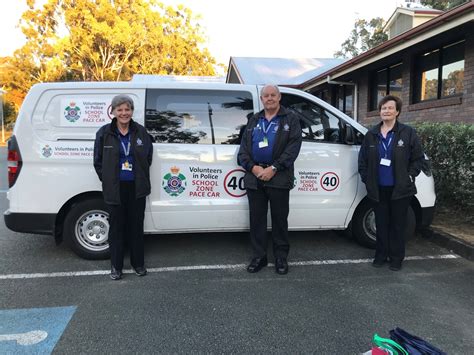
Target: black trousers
279,208
126,225
391,222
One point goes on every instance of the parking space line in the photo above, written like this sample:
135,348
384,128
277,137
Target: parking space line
212,267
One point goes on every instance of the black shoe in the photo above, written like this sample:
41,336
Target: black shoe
378,263
395,265
281,266
115,274
140,271
257,264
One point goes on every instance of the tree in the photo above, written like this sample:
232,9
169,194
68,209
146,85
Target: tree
364,36
442,5
96,40
369,34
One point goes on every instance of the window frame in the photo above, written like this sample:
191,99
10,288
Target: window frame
373,88
417,72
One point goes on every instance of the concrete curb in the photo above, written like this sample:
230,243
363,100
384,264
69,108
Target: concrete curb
450,242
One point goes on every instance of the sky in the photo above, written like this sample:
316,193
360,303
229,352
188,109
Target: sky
251,28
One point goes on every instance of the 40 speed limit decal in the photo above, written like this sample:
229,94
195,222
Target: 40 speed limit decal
201,182
234,183
317,182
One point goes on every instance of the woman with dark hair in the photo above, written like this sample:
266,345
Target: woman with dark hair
389,160
122,157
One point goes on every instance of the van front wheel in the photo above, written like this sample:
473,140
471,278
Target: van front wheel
363,224
86,229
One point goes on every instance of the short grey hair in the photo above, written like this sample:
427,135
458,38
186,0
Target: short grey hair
120,100
272,86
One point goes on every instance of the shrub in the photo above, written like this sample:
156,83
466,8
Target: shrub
450,146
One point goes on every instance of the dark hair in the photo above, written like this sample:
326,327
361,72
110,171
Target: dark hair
398,103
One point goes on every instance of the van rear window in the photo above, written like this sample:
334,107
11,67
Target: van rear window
197,116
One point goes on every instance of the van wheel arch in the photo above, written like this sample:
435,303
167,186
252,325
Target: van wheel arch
67,225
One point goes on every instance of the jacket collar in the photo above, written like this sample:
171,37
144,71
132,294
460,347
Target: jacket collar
281,112
112,129
397,127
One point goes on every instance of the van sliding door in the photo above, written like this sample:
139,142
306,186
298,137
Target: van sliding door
196,182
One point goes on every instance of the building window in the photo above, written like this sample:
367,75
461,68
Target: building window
385,81
322,94
342,99
439,73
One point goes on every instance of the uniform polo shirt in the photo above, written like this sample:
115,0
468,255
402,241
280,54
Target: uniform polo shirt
264,130
386,177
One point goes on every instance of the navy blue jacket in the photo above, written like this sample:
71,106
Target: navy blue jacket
285,150
107,160
407,158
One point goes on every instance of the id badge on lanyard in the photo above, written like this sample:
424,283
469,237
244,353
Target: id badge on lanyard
126,165
385,161
264,142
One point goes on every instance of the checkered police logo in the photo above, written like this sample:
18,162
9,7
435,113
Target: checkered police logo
72,112
174,183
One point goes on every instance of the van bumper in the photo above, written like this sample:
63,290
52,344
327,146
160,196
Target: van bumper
427,214
37,223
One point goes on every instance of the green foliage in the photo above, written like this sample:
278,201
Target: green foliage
450,147
97,40
442,4
364,36
9,114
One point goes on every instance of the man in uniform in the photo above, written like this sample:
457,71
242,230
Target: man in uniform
270,145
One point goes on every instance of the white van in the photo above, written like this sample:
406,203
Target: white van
197,185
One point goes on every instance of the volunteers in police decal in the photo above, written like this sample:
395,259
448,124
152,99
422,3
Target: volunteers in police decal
122,157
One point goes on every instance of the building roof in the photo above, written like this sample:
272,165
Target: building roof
279,71
450,19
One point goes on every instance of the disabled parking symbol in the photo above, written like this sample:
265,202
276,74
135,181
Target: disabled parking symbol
34,330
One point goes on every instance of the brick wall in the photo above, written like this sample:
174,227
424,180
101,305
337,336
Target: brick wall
452,109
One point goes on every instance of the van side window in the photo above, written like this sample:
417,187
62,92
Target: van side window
197,116
317,123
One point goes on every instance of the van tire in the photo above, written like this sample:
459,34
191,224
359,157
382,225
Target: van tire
86,229
363,224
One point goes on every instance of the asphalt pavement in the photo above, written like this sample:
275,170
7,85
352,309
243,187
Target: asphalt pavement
198,298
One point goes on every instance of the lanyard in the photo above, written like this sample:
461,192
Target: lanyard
126,150
268,127
385,147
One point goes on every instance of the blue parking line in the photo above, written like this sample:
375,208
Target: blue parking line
34,330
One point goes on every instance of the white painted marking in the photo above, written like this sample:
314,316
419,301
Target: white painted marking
26,339
212,267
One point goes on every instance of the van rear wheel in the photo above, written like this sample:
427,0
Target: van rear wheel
363,225
86,229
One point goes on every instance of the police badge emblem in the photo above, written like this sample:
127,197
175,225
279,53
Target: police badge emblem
72,112
174,183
